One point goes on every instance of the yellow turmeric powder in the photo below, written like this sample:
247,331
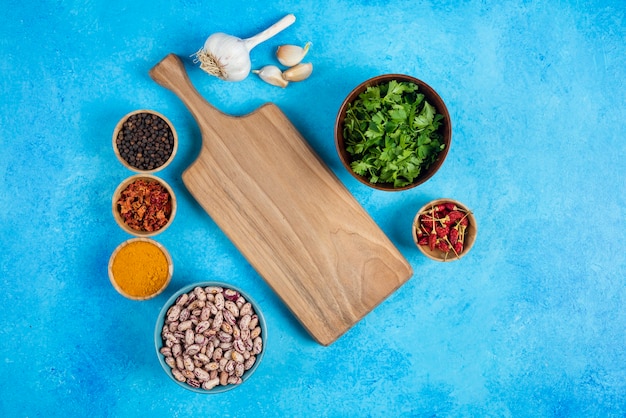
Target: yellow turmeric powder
140,269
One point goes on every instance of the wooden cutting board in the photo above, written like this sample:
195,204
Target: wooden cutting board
288,214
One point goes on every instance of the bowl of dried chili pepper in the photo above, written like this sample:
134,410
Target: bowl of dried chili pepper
444,230
144,205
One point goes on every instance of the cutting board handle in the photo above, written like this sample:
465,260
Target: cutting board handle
171,74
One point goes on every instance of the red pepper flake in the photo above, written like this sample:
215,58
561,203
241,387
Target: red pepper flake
145,205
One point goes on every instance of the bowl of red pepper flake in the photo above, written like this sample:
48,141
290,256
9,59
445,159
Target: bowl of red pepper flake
144,205
444,230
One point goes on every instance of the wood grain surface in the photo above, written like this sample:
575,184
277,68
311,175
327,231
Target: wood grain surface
287,213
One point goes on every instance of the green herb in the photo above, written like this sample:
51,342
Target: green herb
391,132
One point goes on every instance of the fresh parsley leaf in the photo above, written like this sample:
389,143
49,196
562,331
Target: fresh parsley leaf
391,133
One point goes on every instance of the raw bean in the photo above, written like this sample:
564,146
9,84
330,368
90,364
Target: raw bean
254,321
224,336
201,374
236,332
200,294
249,363
237,357
223,378
210,384
246,309
196,304
180,364
184,326
193,349
239,369
213,290
219,301
188,363
194,383
244,334
205,314
217,320
178,375
182,299
230,367
244,322
232,307
184,315
231,294
255,332
233,380
203,358
189,336
173,313
170,362
202,326
229,317
257,345
239,346
211,336
227,345
212,366
240,302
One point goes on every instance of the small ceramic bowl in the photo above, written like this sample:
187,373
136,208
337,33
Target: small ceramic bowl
430,95
469,235
139,280
135,164
159,329
116,206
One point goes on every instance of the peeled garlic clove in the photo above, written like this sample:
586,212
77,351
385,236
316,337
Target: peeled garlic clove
290,55
298,72
271,74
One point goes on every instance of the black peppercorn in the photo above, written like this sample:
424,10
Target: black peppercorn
145,141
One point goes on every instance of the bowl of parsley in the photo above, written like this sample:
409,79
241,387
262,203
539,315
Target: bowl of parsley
393,132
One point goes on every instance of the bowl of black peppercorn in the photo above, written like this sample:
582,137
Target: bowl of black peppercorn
145,141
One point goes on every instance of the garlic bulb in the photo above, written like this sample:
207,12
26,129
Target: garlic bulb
290,55
273,75
228,57
298,72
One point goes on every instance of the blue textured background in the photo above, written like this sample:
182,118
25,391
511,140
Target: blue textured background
531,323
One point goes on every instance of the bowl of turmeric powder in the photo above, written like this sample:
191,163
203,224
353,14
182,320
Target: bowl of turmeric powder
140,268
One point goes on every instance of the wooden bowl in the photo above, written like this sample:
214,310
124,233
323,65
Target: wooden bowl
437,254
137,274
159,344
429,95
116,210
119,127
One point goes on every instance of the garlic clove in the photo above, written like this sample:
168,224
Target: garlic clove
290,55
298,72
271,74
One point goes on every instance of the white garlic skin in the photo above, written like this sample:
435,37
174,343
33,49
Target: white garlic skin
271,74
232,54
298,72
290,55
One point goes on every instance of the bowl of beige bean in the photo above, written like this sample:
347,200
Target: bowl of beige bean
210,337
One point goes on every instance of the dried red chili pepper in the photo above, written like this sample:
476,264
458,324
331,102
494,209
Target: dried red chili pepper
432,241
